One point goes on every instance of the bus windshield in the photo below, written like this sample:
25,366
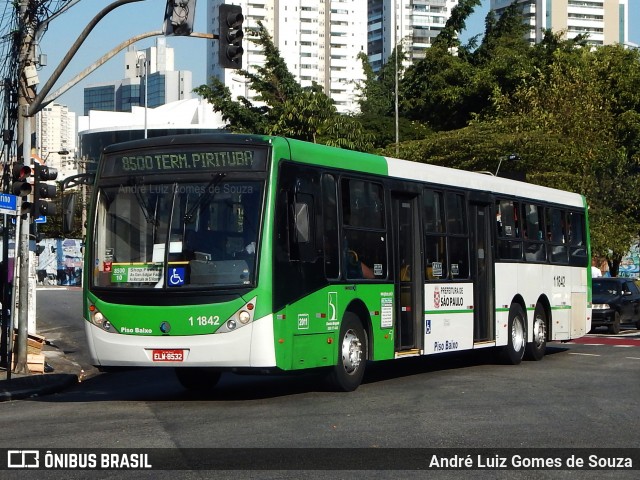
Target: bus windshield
177,235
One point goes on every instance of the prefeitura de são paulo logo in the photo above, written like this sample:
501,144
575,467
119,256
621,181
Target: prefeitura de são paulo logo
436,297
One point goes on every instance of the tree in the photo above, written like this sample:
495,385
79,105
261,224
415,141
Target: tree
448,37
376,100
286,108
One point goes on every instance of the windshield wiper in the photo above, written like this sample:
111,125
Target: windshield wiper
209,192
134,182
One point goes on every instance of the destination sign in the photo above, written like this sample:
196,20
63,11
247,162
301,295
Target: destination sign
171,162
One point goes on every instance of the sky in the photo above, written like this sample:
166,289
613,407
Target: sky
143,16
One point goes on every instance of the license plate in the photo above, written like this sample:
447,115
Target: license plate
167,355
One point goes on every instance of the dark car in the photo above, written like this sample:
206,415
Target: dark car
615,301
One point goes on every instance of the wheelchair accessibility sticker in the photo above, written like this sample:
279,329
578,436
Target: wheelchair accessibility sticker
176,276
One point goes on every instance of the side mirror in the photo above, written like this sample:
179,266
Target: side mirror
68,210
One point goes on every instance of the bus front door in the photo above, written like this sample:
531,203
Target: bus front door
482,272
407,273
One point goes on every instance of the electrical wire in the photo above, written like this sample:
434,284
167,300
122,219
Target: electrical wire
12,37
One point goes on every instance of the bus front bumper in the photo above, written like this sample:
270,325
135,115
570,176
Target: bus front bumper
250,346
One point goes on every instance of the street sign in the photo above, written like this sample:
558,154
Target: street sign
40,219
8,204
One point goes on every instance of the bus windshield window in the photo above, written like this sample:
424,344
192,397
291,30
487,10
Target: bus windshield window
177,235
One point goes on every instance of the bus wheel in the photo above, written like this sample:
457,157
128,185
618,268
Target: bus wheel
198,379
347,375
536,348
513,352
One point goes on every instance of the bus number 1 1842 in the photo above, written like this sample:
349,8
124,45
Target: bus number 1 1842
204,320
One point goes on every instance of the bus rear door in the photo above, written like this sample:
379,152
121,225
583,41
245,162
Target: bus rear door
408,276
482,269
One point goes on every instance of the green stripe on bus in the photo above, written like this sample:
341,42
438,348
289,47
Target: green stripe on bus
531,309
440,312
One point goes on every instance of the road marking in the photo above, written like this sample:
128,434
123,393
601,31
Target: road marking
633,358
584,354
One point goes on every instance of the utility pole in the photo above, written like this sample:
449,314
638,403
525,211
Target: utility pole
26,94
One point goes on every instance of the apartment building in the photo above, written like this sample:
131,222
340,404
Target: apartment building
605,21
318,39
56,132
415,23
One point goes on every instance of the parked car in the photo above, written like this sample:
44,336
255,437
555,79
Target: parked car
615,301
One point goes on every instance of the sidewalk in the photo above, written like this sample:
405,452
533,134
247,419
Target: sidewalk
66,373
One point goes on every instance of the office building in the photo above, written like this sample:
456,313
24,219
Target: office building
153,68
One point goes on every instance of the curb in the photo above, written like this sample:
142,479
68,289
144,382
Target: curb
33,386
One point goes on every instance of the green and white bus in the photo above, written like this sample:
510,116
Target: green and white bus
223,252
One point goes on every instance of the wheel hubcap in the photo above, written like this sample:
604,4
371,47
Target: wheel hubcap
539,332
351,352
517,334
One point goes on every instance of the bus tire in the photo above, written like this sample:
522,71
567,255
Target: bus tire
347,374
513,352
536,348
197,379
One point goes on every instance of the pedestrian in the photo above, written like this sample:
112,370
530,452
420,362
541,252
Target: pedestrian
595,271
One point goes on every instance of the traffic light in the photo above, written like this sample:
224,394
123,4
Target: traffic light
44,190
20,185
230,36
20,174
37,237
178,17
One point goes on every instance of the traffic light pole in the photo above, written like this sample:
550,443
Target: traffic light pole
22,247
26,93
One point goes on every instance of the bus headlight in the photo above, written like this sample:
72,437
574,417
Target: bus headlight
244,316
98,319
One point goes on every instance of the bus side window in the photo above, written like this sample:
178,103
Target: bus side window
457,235
330,237
577,240
435,241
556,224
533,233
302,228
508,228
364,243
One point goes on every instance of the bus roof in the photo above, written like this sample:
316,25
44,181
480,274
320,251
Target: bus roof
191,139
480,181
405,169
